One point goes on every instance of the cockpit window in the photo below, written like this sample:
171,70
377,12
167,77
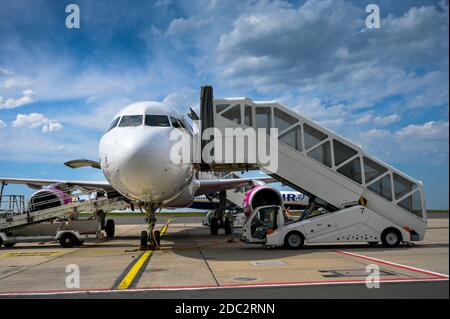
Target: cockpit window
174,122
181,123
113,124
131,120
157,120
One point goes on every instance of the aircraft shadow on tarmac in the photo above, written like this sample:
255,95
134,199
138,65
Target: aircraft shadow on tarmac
198,243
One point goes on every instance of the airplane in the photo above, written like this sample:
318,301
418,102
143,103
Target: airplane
291,199
134,158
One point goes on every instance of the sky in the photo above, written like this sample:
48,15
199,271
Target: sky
385,88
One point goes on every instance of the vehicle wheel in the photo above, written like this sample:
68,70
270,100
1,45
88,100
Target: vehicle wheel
144,240
228,226
1,241
68,240
373,243
391,238
214,226
294,240
110,228
9,245
157,237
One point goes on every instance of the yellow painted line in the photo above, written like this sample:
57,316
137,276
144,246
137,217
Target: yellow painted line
128,279
126,282
33,254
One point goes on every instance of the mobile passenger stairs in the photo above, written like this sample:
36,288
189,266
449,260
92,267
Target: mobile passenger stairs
21,221
354,197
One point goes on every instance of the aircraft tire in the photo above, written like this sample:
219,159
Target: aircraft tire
144,239
228,226
157,237
214,226
110,228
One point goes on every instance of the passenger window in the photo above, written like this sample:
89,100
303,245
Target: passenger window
312,136
402,186
174,122
382,187
283,120
322,154
293,138
157,120
233,114
263,118
413,204
248,115
221,107
372,169
342,152
113,124
352,170
131,120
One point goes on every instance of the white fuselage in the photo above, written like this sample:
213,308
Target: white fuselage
136,159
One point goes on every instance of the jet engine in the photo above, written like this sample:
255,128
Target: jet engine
261,195
48,198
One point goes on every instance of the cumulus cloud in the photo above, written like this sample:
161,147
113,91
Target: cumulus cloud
426,142
28,96
36,120
31,120
2,124
386,120
51,127
323,48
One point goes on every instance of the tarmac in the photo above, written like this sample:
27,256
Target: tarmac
192,263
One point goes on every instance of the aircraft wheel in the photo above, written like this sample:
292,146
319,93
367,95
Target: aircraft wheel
391,238
228,226
144,239
68,240
110,228
294,240
157,235
214,226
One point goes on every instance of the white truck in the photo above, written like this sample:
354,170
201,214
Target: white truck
268,225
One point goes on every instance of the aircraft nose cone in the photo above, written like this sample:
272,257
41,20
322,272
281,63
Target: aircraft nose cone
139,166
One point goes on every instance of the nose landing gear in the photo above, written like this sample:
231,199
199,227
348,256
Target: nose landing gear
151,238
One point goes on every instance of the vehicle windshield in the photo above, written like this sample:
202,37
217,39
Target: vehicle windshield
113,124
157,120
131,120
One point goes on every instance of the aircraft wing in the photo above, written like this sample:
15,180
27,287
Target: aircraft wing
38,183
208,186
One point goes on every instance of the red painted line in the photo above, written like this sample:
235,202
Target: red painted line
434,277
400,266
193,287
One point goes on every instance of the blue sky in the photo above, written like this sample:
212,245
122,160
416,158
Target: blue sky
386,89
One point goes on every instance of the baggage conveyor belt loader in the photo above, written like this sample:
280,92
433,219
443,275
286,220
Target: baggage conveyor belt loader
46,218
